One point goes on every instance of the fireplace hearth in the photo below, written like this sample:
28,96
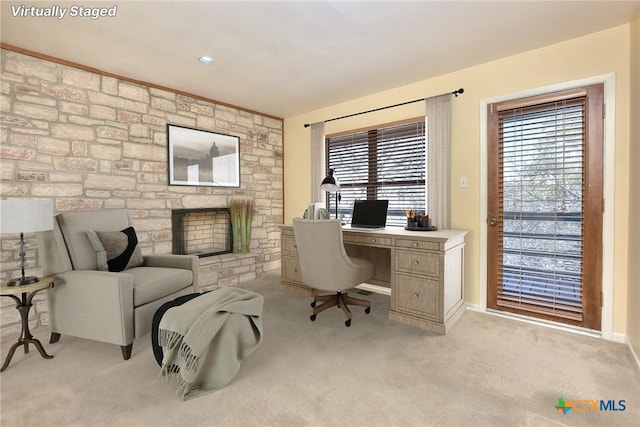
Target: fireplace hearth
203,231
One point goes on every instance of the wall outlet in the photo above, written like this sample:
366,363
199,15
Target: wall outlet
464,182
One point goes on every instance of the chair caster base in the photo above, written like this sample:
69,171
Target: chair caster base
347,323
312,317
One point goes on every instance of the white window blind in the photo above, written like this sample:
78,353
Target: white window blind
541,187
386,163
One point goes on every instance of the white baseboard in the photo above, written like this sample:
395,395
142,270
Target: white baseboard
621,338
473,307
633,352
376,289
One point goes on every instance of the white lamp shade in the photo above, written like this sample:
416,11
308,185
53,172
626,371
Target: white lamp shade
330,184
26,215
330,188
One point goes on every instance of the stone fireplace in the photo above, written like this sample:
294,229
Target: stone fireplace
203,232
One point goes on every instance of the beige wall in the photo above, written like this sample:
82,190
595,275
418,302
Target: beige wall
91,142
592,55
633,301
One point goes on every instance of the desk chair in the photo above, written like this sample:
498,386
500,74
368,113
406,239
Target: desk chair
326,266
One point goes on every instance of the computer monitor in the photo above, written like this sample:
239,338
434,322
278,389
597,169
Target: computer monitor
369,213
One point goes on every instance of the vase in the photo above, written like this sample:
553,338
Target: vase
241,218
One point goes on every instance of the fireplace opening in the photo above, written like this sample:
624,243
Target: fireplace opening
203,232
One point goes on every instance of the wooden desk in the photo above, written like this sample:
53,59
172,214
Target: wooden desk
23,305
423,272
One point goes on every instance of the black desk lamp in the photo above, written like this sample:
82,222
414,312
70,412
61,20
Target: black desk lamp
331,185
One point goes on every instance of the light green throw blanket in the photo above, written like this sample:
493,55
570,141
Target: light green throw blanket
205,339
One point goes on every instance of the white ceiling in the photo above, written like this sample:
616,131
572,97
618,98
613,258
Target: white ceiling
287,58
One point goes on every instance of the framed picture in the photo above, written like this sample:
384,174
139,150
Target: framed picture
200,157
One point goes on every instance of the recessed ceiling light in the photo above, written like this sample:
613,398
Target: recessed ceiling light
206,60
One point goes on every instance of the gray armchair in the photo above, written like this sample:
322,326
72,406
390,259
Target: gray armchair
111,307
326,266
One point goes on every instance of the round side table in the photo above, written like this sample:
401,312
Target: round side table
22,295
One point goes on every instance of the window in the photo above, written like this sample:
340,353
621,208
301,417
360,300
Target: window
377,164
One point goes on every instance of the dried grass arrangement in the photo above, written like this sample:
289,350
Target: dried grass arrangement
242,210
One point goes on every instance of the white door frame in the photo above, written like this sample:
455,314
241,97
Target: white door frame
609,81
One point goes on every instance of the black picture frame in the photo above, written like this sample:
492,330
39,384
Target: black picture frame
200,157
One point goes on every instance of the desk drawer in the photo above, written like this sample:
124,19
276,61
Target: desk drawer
291,269
418,244
289,244
366,240
418,296
287,231
418,262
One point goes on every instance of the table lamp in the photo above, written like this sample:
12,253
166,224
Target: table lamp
331,185
25,216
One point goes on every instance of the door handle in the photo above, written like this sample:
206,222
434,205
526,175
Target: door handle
493,221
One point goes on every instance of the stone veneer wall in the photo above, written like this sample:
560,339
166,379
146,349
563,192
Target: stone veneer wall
91,141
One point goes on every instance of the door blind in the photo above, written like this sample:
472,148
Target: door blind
540,195
386,163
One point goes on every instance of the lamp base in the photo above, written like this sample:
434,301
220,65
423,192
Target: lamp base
23,281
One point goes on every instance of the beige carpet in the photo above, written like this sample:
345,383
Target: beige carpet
488,371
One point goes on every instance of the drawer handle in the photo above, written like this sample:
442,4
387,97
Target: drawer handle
416,244
416,262
416,295
373,240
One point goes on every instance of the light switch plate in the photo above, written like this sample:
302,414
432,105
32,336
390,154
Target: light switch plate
464,182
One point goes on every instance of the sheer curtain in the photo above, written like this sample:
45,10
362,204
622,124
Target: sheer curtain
438,112
317,161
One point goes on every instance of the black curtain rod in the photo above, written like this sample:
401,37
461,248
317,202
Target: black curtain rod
455,92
